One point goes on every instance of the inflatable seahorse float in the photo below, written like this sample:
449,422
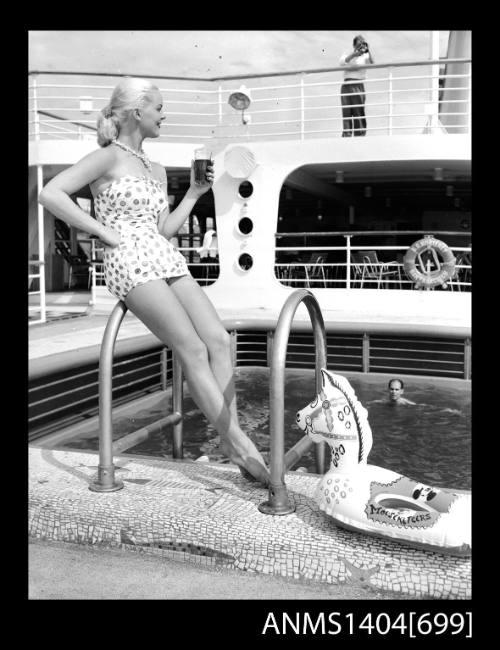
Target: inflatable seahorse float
370,499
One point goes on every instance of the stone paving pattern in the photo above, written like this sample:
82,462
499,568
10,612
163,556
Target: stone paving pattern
208,513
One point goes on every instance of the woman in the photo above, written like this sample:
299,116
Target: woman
141,266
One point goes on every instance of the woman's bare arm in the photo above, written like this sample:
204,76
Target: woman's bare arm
56,195
169,223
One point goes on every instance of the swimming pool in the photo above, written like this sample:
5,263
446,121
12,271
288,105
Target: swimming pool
429,442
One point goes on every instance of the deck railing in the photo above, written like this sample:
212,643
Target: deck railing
311,267
204,270
36,289
317,265
411,97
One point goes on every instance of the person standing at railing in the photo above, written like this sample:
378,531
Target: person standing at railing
142,268
352,91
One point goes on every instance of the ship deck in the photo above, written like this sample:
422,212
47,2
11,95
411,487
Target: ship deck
208,513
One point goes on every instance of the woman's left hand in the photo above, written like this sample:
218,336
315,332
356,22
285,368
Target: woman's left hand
198,189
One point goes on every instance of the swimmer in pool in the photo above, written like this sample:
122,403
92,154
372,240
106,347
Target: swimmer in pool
396,390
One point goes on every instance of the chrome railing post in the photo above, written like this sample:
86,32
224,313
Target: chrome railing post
219,101
467,358
390,101
434,82
163,362
177,408
106,481
302,116
41,246
36,116
348,261
469,103
366,352
279,503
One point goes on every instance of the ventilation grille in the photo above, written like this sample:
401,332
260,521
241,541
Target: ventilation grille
417,356
64,398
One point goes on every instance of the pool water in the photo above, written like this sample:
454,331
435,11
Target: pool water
429,442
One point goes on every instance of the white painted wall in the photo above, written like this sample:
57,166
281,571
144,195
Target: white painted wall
258,289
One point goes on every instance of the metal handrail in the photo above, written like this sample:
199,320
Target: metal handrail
221,117
394,64
279,503
285,269
329,233
106,480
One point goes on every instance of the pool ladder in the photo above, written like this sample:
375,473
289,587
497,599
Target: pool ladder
106,480
278,502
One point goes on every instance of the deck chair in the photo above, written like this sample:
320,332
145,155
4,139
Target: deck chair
315,271
379,272
356,267
310,274
463,272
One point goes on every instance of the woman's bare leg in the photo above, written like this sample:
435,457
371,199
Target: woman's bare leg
156,305
212,332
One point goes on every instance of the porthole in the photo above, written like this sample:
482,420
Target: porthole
245,261
245,226
245,189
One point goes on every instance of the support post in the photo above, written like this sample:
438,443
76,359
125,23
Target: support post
348,257
164,368
302,113
106,481
36,115
434,82
391,101
366,352
467,358
269,342
233,343
41,247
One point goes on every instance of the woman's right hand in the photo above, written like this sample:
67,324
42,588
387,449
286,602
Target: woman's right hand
110,238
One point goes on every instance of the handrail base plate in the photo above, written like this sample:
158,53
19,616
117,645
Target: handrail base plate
95,486
269,508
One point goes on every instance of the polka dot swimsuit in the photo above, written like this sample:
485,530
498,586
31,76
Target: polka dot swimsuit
131,205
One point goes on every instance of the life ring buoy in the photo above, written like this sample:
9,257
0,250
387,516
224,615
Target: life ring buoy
443,272
371,499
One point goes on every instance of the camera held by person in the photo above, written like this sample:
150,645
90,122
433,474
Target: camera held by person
362,47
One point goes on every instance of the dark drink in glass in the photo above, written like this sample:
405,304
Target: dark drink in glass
201,161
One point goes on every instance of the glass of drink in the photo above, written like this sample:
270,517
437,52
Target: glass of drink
202,159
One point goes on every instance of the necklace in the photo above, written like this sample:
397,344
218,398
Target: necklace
138,154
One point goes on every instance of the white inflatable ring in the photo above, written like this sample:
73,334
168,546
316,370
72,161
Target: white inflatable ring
371,499
441,275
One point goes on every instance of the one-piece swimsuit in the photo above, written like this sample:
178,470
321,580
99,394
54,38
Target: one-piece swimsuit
131,206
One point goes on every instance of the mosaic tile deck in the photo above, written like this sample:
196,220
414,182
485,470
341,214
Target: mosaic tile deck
208,513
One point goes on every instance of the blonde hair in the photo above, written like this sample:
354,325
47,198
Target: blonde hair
129,94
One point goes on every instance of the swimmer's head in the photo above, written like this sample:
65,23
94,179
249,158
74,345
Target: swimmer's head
396,389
